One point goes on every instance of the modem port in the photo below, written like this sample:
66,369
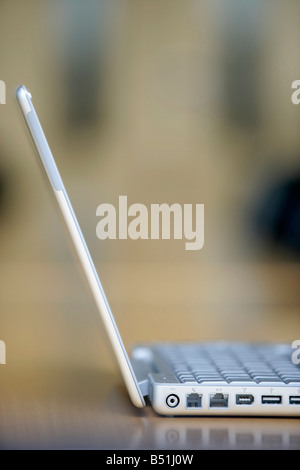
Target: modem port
193,400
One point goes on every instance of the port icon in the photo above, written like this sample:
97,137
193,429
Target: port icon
218,400
244,399
193,400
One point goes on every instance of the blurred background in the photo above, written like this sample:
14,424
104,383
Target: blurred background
183,101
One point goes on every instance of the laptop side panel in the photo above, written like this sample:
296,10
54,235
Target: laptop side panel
178,399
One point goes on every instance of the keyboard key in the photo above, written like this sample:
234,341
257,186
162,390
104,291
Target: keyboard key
238,379
190,381
211,379
291,380
267,379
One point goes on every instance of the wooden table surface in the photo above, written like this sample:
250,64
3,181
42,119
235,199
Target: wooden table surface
60,386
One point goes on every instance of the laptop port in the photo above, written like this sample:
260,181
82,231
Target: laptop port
172,400
193,400
245,399
271,399
294,400
218,400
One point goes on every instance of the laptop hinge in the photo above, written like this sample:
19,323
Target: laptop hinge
141,371
144,387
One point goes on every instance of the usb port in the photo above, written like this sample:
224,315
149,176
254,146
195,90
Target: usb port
294,400
271,399
245,399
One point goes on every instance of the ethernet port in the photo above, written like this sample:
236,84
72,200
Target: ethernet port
218,400
193,400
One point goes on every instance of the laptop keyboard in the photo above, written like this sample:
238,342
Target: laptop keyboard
231,362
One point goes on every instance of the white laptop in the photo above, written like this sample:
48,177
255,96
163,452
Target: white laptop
221,378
